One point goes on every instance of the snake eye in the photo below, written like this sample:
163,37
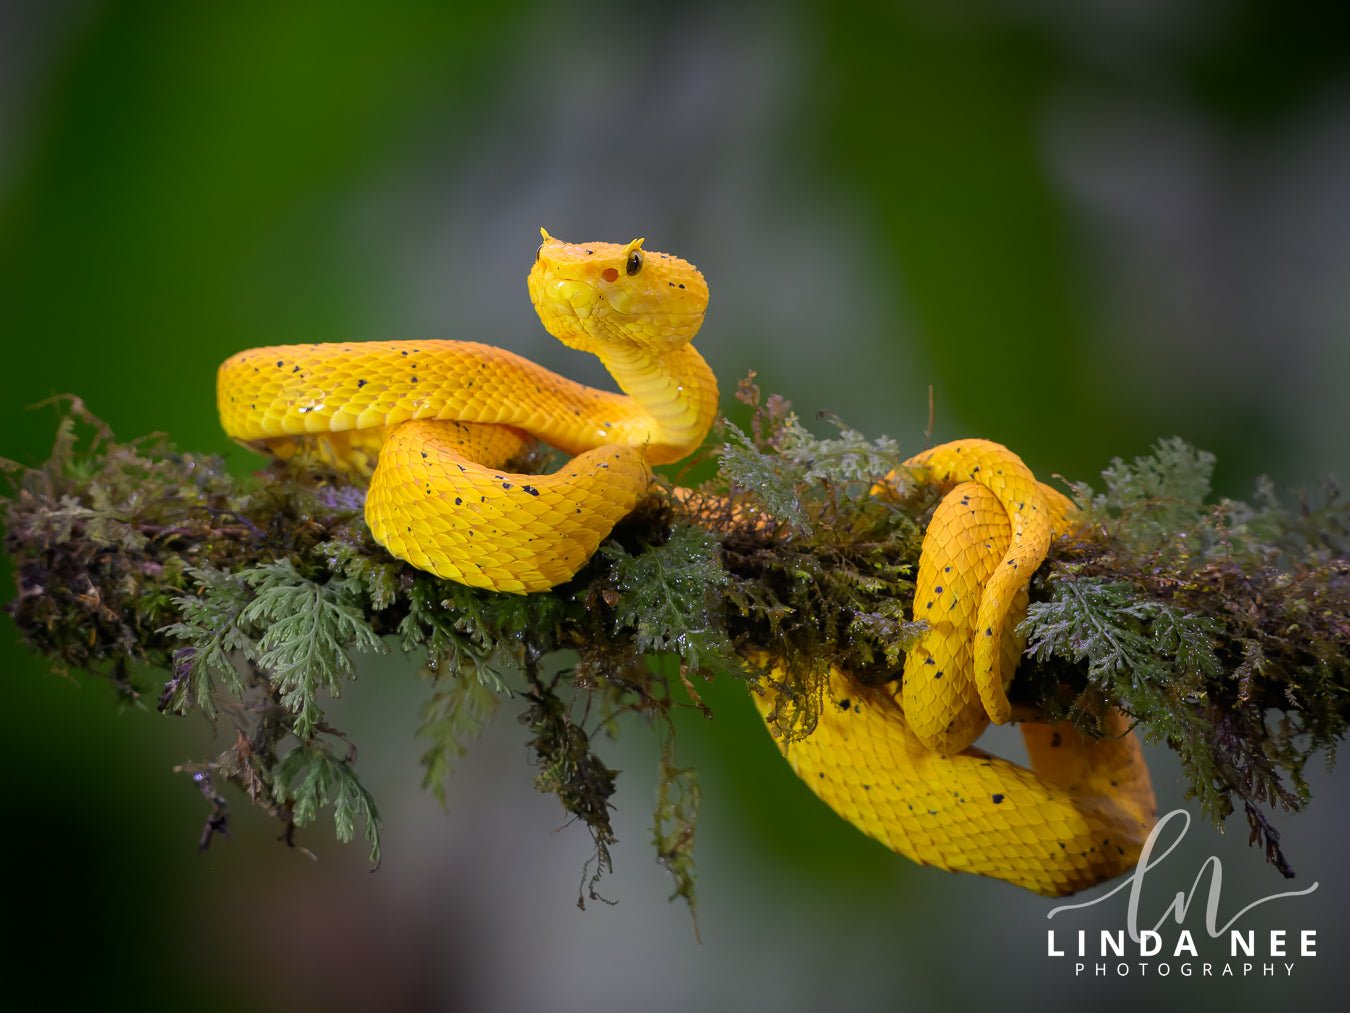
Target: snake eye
539,252
634,262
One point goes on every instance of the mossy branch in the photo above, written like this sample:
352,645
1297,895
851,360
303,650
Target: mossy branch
1222,628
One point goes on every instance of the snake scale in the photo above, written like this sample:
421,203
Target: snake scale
434,421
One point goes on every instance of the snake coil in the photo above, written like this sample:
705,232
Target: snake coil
433,422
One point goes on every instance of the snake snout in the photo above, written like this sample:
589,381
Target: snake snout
577,296
601,297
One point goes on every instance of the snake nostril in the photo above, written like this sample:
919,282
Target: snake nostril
610,274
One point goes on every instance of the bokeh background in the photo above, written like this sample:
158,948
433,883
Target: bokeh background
1088,224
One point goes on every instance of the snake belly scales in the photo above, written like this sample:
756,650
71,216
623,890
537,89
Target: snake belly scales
437,419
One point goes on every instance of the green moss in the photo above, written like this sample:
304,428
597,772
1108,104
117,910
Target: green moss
834,588
1224,628
1220,627
571,770
670,597
310,777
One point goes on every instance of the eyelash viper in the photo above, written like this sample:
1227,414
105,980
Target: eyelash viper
442,417
432,423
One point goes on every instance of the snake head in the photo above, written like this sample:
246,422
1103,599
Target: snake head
601,297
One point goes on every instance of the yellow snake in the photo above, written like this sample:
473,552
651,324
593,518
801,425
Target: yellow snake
897,761
434,421
442,417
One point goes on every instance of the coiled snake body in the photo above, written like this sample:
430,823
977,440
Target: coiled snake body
436,420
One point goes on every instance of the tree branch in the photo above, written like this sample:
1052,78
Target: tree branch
1201,620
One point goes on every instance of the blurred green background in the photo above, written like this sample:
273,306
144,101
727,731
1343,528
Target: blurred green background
1089,225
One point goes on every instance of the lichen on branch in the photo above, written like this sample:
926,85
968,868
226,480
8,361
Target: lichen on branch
1220,627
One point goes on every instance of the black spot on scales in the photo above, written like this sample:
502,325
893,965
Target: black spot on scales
530,489
506,485
458,501
998,799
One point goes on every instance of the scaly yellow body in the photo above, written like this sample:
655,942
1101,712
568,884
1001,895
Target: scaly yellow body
433,421
442,417
986,538
1078,817
897,762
